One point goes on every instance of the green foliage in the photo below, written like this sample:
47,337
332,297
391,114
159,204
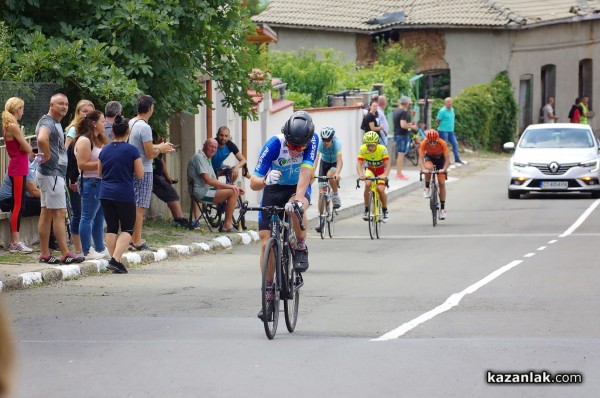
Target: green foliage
106,50
301,100
255,7
306,71
397,55
394,82
486,114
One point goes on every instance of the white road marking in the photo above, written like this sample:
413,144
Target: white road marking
581,219
541,248
552,241
455,299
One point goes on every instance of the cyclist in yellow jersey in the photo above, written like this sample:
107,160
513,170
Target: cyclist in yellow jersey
373,161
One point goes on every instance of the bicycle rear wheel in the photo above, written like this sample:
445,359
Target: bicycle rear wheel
414,157
372,215
292,298
241,220
270,307
433,203
213,214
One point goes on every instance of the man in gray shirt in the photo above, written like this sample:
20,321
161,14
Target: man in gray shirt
50,178
207,188
141,138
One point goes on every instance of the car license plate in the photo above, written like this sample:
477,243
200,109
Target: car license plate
554,185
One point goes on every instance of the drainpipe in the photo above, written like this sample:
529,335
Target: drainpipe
209,110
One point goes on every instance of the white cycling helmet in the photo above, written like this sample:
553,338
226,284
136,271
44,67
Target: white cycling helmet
327,133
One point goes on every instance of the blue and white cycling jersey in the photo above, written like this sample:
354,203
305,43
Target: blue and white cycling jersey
275,155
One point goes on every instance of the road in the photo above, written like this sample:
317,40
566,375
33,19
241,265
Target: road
501,285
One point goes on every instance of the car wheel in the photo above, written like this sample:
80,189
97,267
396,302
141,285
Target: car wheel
514,194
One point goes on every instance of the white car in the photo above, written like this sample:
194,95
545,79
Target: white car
554,157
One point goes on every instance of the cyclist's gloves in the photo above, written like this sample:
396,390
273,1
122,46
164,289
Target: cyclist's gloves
290,205
272,177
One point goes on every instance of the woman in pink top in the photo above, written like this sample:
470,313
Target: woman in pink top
89,140
18,167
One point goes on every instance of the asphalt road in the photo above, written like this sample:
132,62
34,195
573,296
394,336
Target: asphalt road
501,285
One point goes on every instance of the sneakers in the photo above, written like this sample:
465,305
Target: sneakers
71,258
366,216
94,255
116,267
458,164
49,259
318,229
180,222
301,263
427,193
386,217
19,248
337,203
141,247
401,176
442,214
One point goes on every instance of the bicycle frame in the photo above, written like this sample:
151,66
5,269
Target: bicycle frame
434,200
326,212
375,217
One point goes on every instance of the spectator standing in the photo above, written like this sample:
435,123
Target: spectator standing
403,127
585,107
18,167
547,112
83,108
119,165
207,188
163,189
225,148
445,119
383,133
111,110
373,123
576,112
88,143
50,179
141,138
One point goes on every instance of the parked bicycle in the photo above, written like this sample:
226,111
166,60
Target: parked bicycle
213,213
279,261
434,199
375,207
327,213
413,152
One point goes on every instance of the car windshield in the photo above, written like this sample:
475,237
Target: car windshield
557,138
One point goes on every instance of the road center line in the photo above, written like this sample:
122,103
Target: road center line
455,299
541,248
529,255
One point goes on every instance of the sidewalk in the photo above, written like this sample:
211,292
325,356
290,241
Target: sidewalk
19,276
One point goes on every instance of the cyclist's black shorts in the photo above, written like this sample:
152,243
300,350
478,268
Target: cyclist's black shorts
276,195
437,162
325,167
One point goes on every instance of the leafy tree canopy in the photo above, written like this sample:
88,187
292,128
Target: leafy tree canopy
106,50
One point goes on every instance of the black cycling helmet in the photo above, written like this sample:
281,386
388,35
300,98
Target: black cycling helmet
299,129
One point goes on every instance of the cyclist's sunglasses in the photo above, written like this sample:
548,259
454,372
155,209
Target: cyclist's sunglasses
296,148
329,140
371,145
432,142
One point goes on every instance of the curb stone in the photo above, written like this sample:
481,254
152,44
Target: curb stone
96,267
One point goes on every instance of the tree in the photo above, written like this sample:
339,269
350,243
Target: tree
105,50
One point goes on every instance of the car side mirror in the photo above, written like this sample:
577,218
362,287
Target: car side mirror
509,146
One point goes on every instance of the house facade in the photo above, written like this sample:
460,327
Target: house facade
548,47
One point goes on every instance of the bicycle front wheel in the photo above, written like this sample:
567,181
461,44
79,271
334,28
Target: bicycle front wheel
292,298
379,222
270,293
433,203
372,215
322,215
331,221
414,155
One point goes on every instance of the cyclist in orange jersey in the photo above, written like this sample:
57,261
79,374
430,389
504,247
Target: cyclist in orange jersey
434,152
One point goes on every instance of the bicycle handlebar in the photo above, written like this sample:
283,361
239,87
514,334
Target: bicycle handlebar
387,181
325,178
271,210
436,172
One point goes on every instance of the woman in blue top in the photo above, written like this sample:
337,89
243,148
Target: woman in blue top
120,163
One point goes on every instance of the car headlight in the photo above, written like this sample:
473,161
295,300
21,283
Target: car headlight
593,164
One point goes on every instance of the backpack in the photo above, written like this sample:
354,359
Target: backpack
364,125
72,169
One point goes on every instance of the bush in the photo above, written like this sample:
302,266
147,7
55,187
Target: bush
504,123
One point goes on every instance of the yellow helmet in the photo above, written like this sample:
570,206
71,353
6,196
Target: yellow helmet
371,137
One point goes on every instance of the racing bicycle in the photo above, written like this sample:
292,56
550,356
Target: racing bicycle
375,208
327,213
434,199
280,257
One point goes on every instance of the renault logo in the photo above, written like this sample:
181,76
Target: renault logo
553,167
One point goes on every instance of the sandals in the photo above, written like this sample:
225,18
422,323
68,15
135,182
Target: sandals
141,247
232,229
